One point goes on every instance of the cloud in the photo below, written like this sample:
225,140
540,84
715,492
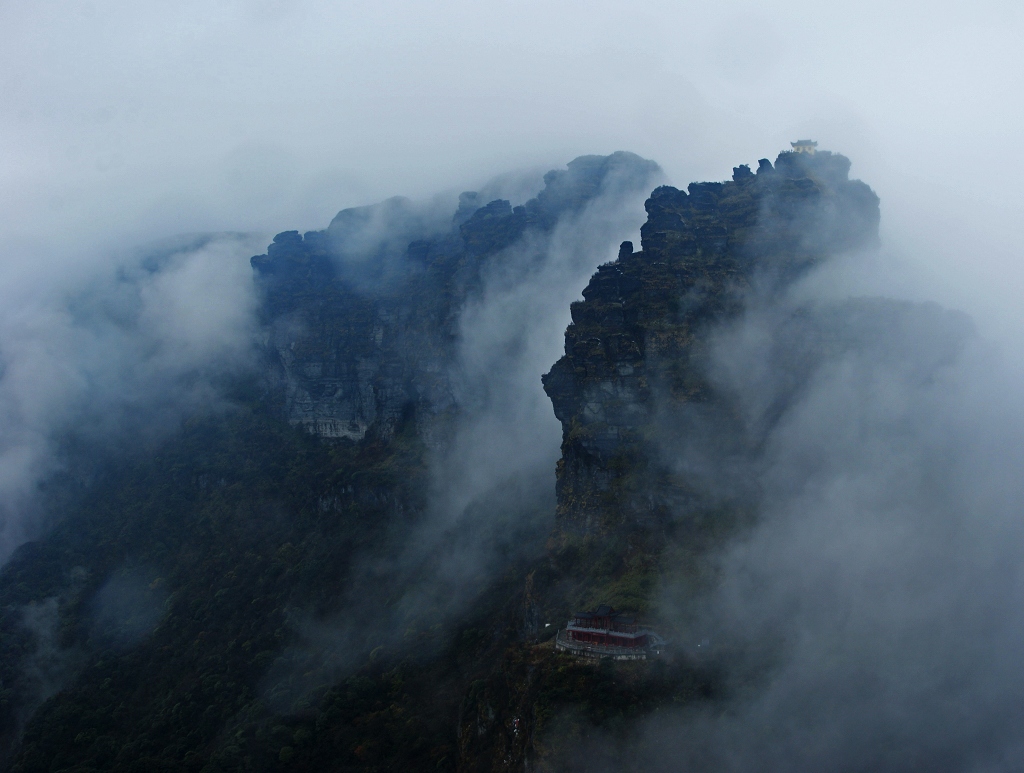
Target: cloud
871,617
490,502
124,123
129,349
137,120
130,122
513,329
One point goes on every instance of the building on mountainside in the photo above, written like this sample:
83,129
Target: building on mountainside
805,146
605,633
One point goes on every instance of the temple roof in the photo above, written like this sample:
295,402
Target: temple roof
606,611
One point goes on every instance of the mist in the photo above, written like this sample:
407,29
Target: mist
507,437
491,485
513,329
128,121
125,352
124,124
871,619
874,611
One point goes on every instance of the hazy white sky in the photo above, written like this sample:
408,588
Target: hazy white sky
126,121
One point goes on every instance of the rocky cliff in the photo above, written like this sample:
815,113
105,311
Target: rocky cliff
633,351
248,596
362,318
260,589
659,452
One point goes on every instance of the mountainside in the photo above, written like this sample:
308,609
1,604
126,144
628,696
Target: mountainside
636,391
307,581
193,597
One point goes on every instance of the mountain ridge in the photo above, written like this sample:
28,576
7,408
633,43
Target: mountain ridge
318,609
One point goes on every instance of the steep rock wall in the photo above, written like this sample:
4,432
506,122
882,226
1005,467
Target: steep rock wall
636,341
362,318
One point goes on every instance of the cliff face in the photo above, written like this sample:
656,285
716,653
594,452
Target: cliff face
362,318
253,593
290,633
633,353
660,451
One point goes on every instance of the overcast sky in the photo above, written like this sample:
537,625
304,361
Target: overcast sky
121,122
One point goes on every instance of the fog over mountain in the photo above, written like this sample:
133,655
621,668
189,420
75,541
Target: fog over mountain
318,497
124,352
882,584
129,119
126,123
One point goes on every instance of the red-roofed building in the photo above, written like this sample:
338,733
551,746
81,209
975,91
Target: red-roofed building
603,632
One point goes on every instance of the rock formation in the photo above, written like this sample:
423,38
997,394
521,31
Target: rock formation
633,350
290,633
362,318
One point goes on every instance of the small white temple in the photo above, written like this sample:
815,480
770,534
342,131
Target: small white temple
804,146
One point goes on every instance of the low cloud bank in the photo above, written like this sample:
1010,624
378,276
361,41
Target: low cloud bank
513,329
873,617
129,348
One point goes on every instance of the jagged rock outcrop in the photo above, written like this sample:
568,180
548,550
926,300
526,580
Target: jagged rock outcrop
634,348
362,318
